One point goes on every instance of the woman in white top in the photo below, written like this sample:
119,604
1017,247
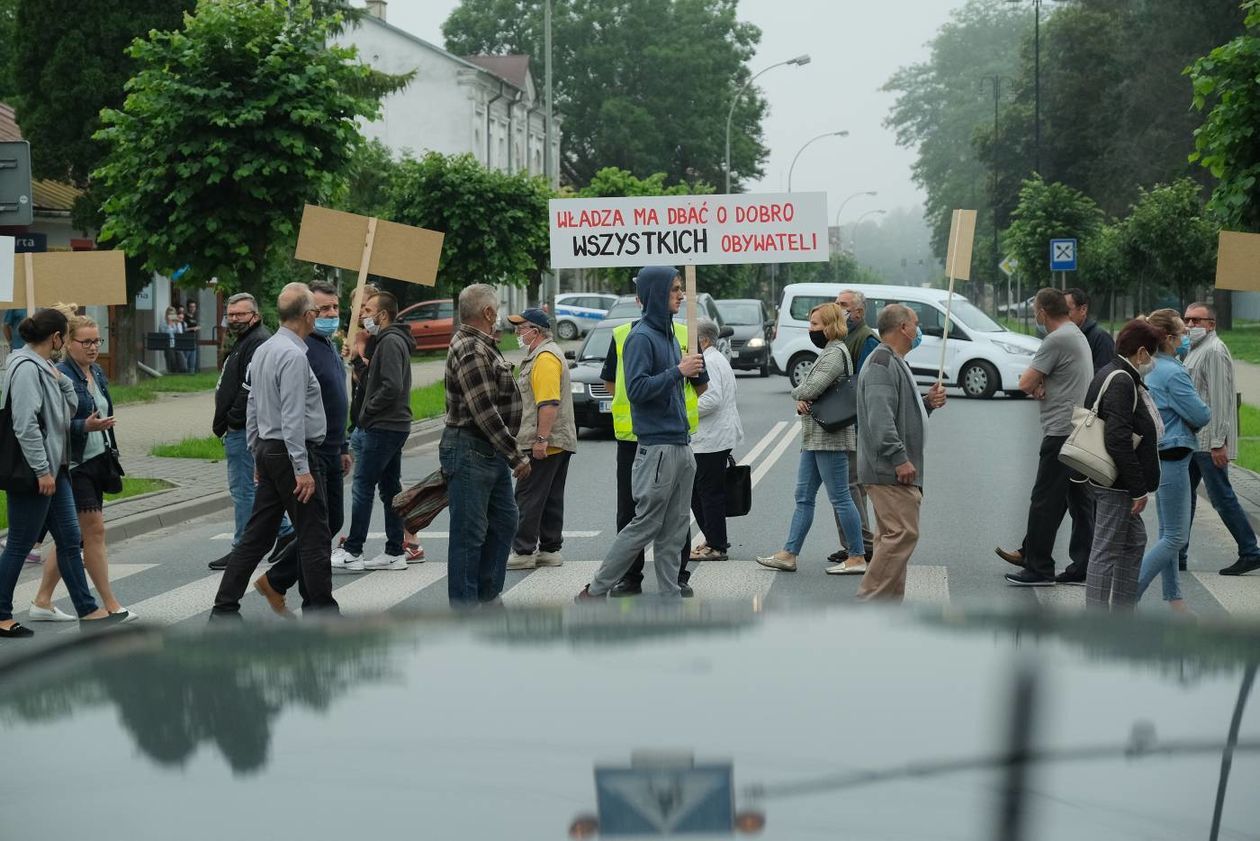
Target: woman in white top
720,430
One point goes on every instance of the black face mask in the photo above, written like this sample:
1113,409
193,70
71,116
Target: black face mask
236,328
818,337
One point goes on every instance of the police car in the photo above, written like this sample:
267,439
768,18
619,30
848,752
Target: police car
578,312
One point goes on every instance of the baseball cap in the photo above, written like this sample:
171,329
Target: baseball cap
534,316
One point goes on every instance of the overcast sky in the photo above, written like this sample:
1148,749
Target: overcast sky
855,47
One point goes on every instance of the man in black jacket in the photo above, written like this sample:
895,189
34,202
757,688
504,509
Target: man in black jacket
231,397
1101,346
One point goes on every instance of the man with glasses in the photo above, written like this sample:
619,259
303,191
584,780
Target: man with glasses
1212,368
231,398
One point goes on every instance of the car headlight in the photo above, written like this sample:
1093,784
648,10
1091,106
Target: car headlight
577,388
1015,349
756,341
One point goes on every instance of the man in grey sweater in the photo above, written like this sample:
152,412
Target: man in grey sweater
892,432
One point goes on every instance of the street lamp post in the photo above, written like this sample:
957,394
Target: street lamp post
1036,82
796,157
859,222
839,210
799,61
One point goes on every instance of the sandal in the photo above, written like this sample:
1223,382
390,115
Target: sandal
414,552
709,554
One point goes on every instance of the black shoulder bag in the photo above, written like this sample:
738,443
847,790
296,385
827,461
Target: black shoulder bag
112,480
15,473
836,407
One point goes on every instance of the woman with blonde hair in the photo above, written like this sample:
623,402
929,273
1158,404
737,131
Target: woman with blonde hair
91,458
824,455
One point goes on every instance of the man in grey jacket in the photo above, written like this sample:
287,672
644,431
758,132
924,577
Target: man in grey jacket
892,432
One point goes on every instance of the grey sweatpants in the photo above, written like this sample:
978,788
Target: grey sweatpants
660,481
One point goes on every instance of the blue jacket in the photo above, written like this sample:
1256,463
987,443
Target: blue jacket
330,371
78,430
1184,413
653,382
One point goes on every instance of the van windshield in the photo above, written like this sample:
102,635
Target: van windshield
971,316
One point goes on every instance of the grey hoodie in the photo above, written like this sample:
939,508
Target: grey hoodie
41,405
387,384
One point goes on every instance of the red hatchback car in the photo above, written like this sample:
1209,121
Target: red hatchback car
431,323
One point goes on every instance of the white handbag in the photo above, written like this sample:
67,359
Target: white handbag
1085,449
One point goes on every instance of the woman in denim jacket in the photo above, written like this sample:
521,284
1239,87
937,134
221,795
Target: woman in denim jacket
1183,414
90,467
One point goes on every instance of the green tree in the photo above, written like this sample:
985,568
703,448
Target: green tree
495,224
643,85
229,128
1227,92
1046,212
1103,269
1166,242
8,38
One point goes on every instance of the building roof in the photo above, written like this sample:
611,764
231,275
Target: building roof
513,69
472,62
49,196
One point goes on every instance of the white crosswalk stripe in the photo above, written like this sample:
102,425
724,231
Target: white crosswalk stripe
25,592
376,592
1239,594
551,585
180,603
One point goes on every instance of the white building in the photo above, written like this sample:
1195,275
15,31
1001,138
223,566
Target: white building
486,106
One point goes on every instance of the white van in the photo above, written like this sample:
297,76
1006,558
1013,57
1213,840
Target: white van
982,356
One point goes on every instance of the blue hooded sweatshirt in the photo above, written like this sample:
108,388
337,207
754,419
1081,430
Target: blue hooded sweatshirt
654,384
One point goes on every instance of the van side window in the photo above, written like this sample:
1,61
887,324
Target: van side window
802,304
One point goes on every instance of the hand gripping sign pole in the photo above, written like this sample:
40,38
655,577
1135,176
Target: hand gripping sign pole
962,233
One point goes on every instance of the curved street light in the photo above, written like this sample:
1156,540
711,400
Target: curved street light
799,61
841,133
851,198
853,240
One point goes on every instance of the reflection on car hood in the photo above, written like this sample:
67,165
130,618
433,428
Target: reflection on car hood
845,723
1017,339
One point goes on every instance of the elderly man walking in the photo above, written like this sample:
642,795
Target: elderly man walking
892,437
1211,368
479,453
720,430
548,435
285,425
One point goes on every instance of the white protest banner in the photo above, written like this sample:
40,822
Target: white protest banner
690,230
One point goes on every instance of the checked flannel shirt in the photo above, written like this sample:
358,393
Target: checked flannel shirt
481,392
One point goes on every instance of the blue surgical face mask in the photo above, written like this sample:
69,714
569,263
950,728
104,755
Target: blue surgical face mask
1183,349
918,337
327,326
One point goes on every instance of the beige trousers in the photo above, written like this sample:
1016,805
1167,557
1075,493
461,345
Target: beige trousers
896,535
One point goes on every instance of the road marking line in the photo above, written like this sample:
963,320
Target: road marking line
1239,594
927,584
25,592
763,443
732,581
775,454
432,535
551,585
379,590
180,603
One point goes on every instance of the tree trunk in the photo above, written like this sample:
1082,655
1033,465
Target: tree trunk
125,346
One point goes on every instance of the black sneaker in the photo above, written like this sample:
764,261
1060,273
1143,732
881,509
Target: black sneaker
1070,576
687,592
220,564
838,556
1242,566
1028,578
625,587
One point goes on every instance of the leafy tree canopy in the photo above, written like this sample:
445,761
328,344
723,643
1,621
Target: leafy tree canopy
1046,212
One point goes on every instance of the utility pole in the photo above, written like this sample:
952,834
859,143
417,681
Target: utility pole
550,285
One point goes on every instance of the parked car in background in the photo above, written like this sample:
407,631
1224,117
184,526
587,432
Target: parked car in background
750,339
431,323
578,312
982,357
627,309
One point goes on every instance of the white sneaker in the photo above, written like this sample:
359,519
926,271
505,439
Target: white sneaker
384,561
343,561
516,561
44,614
549,559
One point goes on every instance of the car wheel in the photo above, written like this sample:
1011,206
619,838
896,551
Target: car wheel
799,368
567,330
978,379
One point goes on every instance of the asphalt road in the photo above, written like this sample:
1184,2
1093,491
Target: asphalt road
981,455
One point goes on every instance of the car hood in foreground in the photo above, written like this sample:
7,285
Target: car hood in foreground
639,717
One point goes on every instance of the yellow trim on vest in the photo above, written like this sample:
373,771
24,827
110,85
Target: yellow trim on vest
623,425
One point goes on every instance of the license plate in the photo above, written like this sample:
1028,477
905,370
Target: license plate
605,406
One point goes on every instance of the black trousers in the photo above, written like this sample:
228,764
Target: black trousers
625,513
286,571
708,498
273,499
1053,495
540,503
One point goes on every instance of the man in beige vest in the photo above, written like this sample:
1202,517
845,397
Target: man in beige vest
548,437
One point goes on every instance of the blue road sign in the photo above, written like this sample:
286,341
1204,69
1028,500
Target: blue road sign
1063,255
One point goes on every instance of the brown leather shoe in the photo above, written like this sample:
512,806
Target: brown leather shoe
1016,557
274,598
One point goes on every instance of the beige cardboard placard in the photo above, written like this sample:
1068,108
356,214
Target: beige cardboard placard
962,235
336,238
1238,262
86,278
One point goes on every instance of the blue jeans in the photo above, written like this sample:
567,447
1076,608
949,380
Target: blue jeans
483,516
1173,504
380,466
28,514
1221,494
829,468
240,470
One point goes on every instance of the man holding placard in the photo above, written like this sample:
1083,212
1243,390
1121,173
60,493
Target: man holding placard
664,468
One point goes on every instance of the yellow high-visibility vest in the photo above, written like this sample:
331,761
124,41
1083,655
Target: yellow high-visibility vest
623,424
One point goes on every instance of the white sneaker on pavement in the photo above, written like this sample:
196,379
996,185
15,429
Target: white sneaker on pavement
516,561
46,614
343,561
384,561
549,559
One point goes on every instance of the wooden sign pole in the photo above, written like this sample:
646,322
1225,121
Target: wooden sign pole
357,297
693,338
949,300
28,260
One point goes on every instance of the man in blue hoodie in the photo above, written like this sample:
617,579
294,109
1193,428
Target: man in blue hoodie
664,467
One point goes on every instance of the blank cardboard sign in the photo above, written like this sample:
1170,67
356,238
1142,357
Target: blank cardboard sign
86,278
962,234
336,238
1238,262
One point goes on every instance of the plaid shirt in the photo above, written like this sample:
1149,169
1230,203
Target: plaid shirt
481,392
